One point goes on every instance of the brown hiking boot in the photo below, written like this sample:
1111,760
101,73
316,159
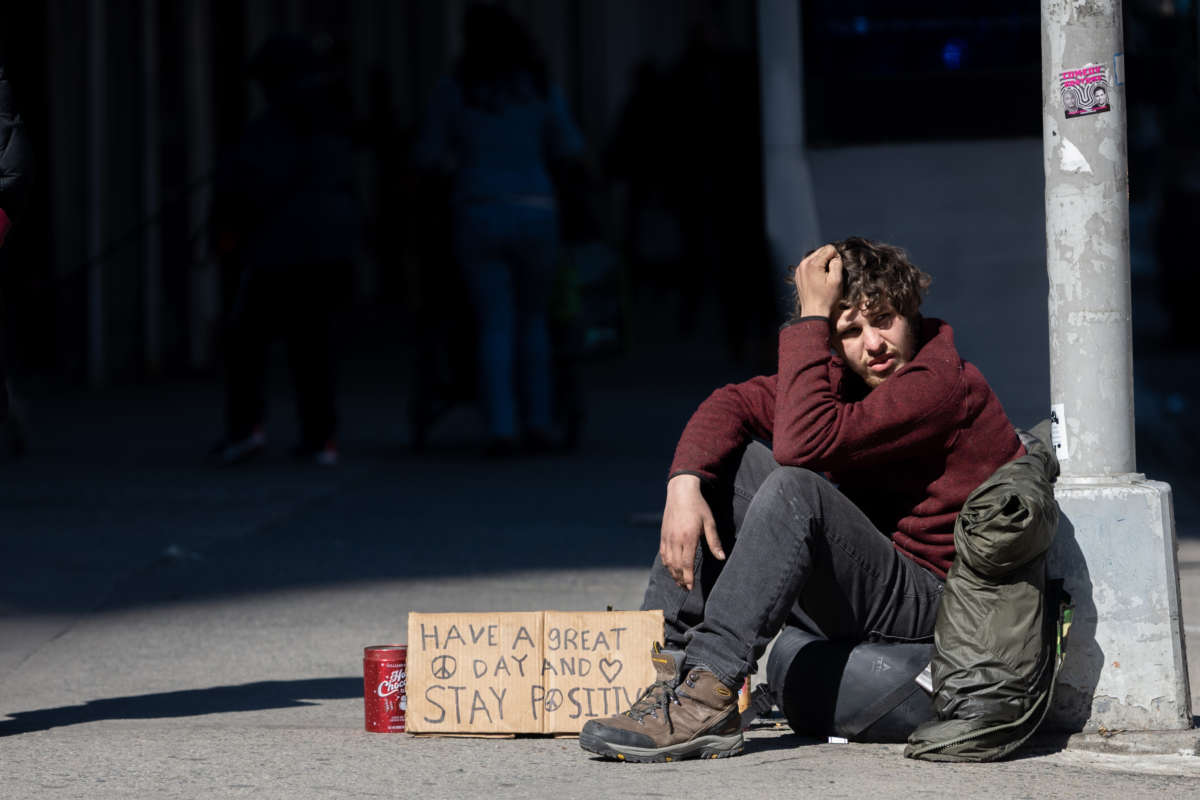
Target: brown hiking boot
690,715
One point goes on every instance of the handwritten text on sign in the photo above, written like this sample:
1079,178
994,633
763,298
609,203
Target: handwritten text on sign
534,672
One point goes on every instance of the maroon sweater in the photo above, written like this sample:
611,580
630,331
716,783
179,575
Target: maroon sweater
907,453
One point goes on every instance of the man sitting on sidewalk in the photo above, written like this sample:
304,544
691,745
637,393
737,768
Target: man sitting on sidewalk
868,393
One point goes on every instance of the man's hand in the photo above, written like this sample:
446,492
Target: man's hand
819,282
685,517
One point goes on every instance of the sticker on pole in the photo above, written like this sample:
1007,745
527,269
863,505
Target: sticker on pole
1058,431
1084,90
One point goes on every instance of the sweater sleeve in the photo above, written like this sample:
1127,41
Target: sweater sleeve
723,424
813,427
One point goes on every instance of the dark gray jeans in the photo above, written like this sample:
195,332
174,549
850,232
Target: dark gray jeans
798,551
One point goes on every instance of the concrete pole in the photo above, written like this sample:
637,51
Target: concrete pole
1126,665
151,192
791,208
97,159
202,287
1087,245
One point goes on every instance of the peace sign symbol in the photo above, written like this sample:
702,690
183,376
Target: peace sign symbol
444,667
554,699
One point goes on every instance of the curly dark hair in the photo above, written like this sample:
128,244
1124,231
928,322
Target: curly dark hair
875,274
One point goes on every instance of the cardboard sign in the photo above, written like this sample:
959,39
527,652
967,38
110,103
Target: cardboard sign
527,672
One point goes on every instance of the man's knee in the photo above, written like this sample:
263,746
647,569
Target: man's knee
790,484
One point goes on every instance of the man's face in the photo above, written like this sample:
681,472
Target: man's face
1101,97
1070,102
874,343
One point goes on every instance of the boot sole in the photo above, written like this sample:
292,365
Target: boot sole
709,746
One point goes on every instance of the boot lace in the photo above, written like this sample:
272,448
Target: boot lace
659,695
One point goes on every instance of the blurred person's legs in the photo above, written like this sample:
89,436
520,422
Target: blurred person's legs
535,259
1179,281
248,334
445,357
480,234
5,391
13,418
12,413
508,261
310,313
695,271
743,280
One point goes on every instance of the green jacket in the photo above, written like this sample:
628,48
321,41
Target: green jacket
996,648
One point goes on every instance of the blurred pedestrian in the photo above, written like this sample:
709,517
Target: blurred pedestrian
498,123
641,152
717,175
15,174
287,227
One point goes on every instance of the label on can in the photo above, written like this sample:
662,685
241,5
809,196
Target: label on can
393,684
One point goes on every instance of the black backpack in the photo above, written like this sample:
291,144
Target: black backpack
861,691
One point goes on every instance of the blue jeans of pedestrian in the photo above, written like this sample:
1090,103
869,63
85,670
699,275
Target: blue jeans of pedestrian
508,255
799,552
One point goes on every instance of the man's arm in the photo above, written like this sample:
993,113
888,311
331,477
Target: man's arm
721,427
814,428
726,420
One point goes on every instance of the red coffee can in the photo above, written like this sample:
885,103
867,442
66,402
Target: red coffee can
384,679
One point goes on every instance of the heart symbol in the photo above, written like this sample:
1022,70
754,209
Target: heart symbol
614,666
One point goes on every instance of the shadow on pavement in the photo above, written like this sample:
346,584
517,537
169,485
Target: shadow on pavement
384,529
188,703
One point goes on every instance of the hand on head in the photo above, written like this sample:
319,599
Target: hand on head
818,280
